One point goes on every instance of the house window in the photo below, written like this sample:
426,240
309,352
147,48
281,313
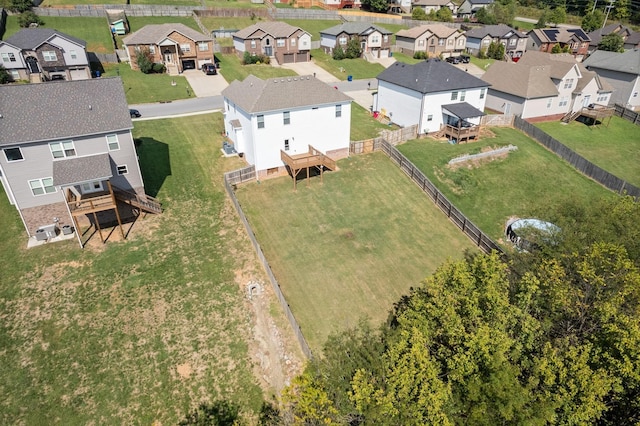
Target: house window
253,44
486,41
338,111
13,154
385,38
122,170
62,149
203,47
15,75
454,96
563,101
460,42
342,40
185,47
549,103
152,49
635,95
88,187
433,41
602,98
286,118
512,42
73,54
463,94
8,57
375,39
286,144
280,42
261,122
420,42
482,93
293,42
568,83
430,117
440,42
49,56
450,42
112,141
42,186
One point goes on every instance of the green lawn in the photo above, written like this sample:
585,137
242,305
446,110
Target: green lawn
358,68
147,88
216,22
46,3
613,147
312,26
523,26
522,184
348,248
96,336
244,4
363,125
232,69
94,31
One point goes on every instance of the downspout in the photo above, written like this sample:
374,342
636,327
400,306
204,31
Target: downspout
75,224
421,115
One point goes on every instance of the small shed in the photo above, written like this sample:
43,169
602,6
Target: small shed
118,22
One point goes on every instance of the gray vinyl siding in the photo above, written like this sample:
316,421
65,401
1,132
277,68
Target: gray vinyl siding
38,163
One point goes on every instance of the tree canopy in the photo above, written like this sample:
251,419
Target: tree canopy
612,42
551,337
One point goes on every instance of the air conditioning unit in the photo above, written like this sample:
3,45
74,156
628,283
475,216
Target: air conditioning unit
47,232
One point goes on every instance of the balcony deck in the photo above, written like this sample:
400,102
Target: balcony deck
461,134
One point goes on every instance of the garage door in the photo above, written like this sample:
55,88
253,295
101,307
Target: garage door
201,62
189,64
79,74
289,58
384,53
302,57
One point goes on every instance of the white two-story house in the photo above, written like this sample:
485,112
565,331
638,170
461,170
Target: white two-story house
544,86
431,94
263,117
41,54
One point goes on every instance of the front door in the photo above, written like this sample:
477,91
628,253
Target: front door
168,56
586,101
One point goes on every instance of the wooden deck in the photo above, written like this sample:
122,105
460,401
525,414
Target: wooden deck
313,158
461,134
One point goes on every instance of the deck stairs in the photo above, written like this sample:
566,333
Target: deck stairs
570,116
145,203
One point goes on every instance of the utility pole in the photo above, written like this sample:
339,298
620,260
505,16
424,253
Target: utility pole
595,3
609,7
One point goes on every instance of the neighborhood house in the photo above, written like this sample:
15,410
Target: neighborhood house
68,154
544,86
279,40
433,94
288,114
435,39
176,46
374,40
42,54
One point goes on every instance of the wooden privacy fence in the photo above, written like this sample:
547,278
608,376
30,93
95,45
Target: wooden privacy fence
627,114
244,175
474,233
583,165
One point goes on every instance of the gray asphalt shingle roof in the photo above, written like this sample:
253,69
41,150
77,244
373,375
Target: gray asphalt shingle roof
528,82
361,28
63,109
495,31
463,110
430,76
153,34
275,29
31,38
254,95
626,62
82,169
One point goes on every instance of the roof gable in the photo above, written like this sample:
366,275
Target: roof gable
153,34
275,29
254,95
494,31
32,38
60,110
430,76
353,28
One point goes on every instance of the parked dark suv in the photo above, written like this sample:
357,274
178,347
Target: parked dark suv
209,69
465,59
134,113
453,60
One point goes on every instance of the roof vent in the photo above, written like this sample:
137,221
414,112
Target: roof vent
90,108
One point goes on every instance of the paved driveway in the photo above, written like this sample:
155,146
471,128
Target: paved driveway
205,85
310,68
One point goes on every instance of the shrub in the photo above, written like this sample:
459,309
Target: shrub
248,59
158,68
5,77
27,18
338,53
144,60
420,55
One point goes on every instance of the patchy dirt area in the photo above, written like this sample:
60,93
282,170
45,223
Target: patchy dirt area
274,350
486,155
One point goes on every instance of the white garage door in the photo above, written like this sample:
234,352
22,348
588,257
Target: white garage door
201,62
79,74
384,53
